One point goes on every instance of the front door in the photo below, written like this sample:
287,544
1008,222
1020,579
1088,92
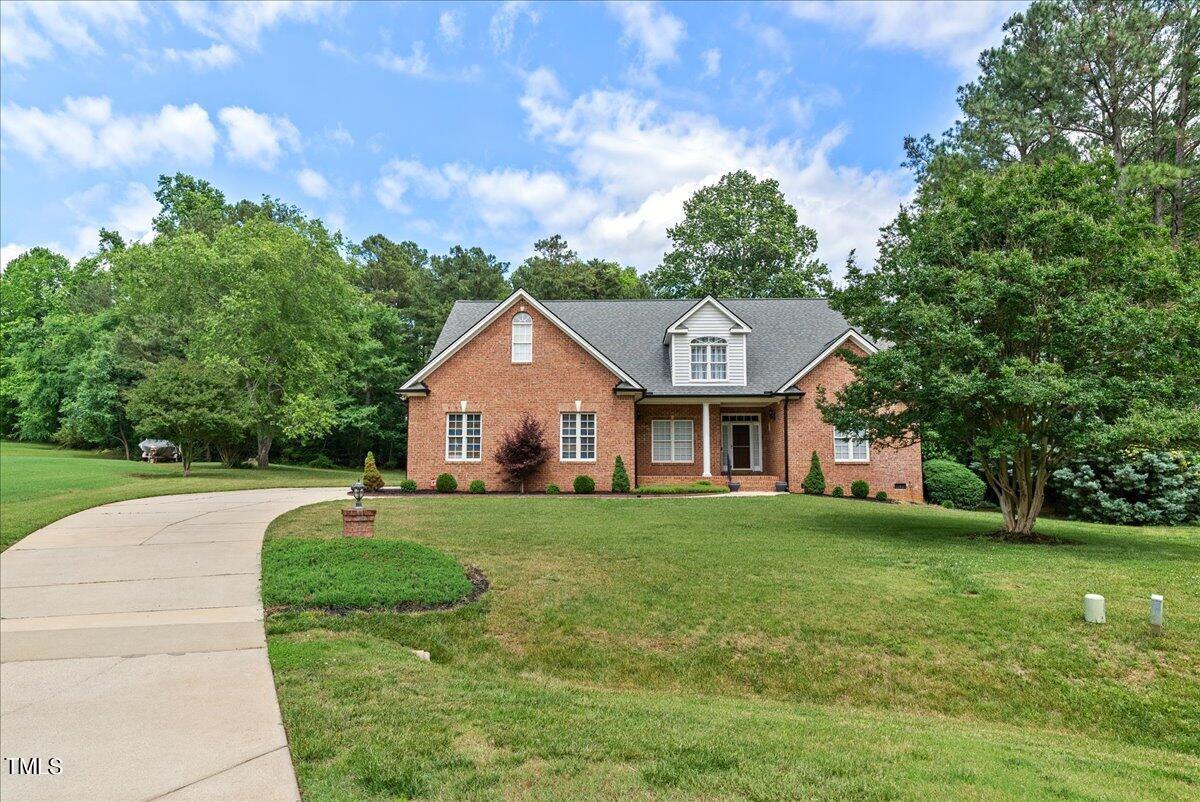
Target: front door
739,441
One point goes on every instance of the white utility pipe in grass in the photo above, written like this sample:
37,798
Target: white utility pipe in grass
1093,608
1156,605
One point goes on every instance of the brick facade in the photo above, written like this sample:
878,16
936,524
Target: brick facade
482,375
482,378
807,433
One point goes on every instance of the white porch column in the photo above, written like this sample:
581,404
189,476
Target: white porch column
707,444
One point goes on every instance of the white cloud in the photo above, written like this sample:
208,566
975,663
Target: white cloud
632,164
398,177
31,31
242,23
215,57
503,26
337,50
953,32
312,183
86,133
131,213
416,63
340,136
257,138
450,27
656,32
712,63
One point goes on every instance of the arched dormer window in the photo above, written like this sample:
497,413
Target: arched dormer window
522,338
709,359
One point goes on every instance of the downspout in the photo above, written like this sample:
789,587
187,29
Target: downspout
634,465
787,462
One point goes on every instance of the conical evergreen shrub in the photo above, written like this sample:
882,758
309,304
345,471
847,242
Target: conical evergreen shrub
372,478
620,482
815,481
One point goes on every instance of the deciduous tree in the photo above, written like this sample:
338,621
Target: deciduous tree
1035,317
739,238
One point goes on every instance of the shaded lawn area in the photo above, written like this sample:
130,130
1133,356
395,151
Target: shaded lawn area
40,483
766,647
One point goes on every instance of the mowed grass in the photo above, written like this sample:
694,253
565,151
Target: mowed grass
40,483
342,572
678,490
759,648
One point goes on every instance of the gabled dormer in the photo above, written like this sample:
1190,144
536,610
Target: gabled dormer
708,346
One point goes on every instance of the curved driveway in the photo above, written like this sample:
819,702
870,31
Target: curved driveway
131,637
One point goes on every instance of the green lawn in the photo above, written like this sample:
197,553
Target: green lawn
40,484
756,648
358,573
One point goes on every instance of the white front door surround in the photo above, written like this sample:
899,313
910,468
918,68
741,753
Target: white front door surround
741,441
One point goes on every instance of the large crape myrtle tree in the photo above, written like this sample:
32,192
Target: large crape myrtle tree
1036,315
523,450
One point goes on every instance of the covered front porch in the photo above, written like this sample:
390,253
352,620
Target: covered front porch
681,440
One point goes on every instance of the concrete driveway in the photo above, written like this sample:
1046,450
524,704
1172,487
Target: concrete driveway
132,650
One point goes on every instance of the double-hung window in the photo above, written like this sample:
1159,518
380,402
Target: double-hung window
671,441
464,436
709,359
850,447
578,437
522,338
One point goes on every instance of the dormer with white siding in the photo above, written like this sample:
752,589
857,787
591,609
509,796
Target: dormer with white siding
708,346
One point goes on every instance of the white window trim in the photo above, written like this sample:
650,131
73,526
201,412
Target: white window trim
514,343
578,437
852,441
707,343
463,437
692,427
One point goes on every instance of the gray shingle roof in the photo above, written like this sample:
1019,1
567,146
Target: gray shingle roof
788,334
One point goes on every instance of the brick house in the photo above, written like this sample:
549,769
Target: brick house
680,389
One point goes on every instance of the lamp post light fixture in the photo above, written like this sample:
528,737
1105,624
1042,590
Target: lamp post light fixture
358,488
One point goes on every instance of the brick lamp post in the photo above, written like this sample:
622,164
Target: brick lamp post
356,521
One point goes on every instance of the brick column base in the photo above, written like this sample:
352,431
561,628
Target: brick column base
358,522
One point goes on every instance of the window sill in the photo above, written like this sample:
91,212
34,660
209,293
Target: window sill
672,462
568,459
866,461
464,459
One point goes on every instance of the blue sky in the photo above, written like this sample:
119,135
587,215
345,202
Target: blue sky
490,124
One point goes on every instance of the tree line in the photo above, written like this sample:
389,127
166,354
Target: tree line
247,329
1041,292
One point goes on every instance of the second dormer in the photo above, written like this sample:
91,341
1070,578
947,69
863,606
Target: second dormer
708,346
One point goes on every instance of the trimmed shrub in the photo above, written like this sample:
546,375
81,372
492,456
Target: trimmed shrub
446,483
477,486
552,490
838,492
620,482
408,485
859,488
881,495
815,481
948,504
319,461
371,477
585,484
947,480
1155,488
